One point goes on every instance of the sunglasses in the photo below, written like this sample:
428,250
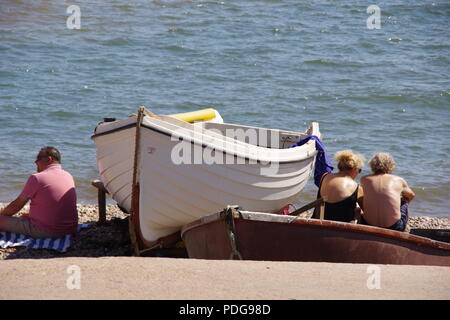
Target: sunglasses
39,158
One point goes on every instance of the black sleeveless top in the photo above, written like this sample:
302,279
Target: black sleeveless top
343,210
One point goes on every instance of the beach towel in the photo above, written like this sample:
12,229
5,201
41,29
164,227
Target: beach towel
9,239
323,163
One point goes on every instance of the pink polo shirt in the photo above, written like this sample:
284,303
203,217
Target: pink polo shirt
53,206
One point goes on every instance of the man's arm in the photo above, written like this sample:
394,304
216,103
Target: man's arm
407,193
15,206
360,197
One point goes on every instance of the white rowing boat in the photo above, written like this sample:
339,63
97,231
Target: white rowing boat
171,172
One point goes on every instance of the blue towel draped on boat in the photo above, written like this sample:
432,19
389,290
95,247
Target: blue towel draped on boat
323,163
9,239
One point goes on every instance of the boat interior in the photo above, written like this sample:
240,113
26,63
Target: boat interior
261,137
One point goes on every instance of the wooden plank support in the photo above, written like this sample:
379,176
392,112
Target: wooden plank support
101,192
317,204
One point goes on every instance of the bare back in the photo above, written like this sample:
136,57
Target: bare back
382,198
337,188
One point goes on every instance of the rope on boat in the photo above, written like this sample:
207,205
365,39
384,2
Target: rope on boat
230,210
133,228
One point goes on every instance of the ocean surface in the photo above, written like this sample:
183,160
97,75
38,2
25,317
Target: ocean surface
278,64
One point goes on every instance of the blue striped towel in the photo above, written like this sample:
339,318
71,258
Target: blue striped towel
9,239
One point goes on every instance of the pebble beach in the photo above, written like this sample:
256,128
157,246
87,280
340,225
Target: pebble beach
103,255
112,239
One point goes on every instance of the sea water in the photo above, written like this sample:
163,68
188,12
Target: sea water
376,79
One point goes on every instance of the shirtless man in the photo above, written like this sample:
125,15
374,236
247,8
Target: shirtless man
386,196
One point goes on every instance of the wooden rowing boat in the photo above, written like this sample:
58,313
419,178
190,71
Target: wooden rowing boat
235,234
139,161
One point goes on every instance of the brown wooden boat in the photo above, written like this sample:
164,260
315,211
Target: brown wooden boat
234,234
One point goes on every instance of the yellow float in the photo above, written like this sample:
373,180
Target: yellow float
196,116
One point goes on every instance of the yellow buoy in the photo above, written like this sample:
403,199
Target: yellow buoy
195,116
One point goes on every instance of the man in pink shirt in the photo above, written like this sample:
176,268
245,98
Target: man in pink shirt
53,208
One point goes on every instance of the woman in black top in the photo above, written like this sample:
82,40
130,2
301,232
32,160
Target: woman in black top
340,192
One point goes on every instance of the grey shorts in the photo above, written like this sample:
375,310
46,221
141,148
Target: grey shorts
24,226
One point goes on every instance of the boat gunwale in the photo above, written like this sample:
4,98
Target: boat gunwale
114,130
246,158
327,225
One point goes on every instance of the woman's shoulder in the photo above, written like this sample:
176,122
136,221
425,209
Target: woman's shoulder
338,181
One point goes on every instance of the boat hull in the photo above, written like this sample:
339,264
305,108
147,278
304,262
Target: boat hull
173,193
259,236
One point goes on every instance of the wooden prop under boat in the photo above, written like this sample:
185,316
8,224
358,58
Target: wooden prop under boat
136,165
234,234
